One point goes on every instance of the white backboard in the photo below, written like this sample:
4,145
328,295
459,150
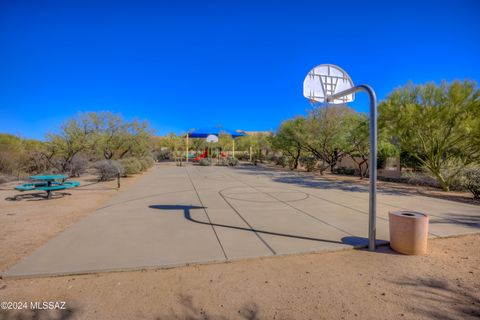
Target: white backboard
325,80
212,138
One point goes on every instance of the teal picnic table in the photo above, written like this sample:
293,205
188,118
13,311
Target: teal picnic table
48,183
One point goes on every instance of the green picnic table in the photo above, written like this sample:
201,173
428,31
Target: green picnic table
48,183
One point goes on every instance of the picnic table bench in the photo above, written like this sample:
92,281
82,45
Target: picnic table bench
48,183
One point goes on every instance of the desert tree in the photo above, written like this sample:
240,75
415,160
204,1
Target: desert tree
74,137
324,134
358,143
288,140
436,124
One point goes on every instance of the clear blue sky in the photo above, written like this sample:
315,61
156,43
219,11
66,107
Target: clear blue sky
240,64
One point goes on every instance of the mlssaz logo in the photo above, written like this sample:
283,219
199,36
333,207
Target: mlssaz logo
48,305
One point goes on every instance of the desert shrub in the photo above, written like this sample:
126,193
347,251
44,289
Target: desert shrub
107,169
4,178
78,165
222,162
279,160
146,162
242,156
471,182
232,162
282,161
204,162
309,162
131,166
344,170
420,179
163,155
272,158
259,156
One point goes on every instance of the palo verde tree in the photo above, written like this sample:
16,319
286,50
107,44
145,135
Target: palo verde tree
436,124
115,138
288,140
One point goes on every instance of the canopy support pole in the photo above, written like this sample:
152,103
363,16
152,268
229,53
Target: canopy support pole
233,147
187,148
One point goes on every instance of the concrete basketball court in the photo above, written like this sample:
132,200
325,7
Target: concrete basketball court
180,215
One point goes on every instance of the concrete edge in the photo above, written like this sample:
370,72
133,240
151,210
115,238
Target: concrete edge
380,243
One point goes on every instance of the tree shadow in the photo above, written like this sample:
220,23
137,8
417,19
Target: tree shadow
458,302
468,220
248,311
310,181
313,181
38,314
353,241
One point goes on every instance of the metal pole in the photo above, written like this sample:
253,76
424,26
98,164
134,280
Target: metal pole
372,205
187,147
233,147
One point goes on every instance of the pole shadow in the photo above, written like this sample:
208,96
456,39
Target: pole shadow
186,213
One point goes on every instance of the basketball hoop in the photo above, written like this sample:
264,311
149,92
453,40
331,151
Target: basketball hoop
324,81
330,84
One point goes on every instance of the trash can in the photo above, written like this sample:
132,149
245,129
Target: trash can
408,232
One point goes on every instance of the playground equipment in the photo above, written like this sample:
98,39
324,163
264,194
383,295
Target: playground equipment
206,132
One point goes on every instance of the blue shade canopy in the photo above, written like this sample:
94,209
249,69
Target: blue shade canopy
205,132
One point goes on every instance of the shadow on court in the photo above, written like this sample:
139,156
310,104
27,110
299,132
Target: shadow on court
310,181
351,240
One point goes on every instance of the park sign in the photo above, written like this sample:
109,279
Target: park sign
330,84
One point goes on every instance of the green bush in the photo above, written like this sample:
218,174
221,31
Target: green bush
344,170
131,166
472,182
232,162
309,162
204,162
163,155
282,161
279,160
222,162
242,156
146,162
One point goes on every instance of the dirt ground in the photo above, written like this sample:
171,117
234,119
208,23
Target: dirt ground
351,284
29,222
